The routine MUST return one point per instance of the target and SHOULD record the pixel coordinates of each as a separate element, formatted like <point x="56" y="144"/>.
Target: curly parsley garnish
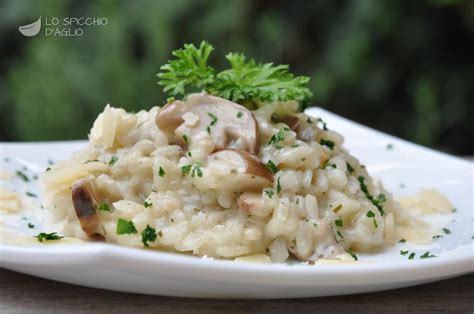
<point x="42" y="237"/>
<point x="246" y="82"/>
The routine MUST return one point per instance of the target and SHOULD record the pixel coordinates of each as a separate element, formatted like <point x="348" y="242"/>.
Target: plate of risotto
<point x="234" y="188"/>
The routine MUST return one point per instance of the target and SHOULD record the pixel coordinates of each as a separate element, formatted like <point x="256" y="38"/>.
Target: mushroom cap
<point x="85" y="204"/>
<point x="229" y="125"/>
<point x="249" y="173"/>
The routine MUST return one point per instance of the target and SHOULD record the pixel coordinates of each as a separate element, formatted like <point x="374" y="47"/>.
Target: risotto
<point x="208" y="176"/>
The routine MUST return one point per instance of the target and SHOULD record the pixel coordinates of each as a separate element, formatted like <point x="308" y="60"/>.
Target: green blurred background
<point x="404" y="67"/>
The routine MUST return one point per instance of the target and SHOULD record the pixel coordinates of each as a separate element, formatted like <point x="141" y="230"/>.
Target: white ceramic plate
<point x="404" y="169"/>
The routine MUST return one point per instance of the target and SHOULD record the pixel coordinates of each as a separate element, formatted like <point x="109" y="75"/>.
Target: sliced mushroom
<point x="252" y="204"/>
<point x="248" y="171"/>
<point x="293" y="122"/>
<point x="85" y="203"/>
<point x="229" y="125"/>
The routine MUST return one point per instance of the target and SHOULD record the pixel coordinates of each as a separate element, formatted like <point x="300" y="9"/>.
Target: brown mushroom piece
<point x="248" y="171"/>
<point x="85" y="203"/>
<point x="229" y="125"/>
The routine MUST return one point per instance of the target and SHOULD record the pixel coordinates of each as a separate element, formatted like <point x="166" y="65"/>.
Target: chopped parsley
<point x="402" y="241"/>
<point x="23" y="176"/>
<point x="53" y="236"/>
<point x="125" y="226"/>
<point x="208" y="129"/>
<point x="371" y="214"/>
<point x="196" y="170"/>
<point x="337" y="208"/>
<point x="240" y="114"/>
<point x="213" y="118"/>
<point x="324" y="124"/>
<point x="339" y="234"/>
<point x="412" y="255"/>
<point x="148" y="235"/>
<point x="427" y="255"/>
<point x="47" y="169"/>
<point x="454" y="210"/>
<point x="294" y="145"/>
<point x="403" y="252"/>
<point x="327" y="143"/>
<point x="278" y="137"/>
<point x="272" y="167"/>
<point x="185" y="138"/>
<point x="90" y="160"/>
<point x="186" y="169"/>
<point x="389" y="146"/>
<point x="437" y="236"/>
<point x="353" y="255"/>
<point x="147" y="204"/>
<point x="30" y="225"/>
<point x="113" y="160"/>
<point x="190" y="154"/>
<point x="31" y="194"/>
<point x="447" y="231"/>
<point x="269" y="193"/>
<point x="338" y="222"/>
<point x="161" y="172"/>
<point x="278" y="185"/>
<point x="104" y="207"/>
<point x="377" y="201"/>
<point x="350" y="169"/>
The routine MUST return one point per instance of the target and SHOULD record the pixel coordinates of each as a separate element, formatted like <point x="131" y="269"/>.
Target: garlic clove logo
<point x="32" y="29"/>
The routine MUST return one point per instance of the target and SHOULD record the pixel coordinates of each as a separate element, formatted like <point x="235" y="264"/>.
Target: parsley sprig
<point x="246" y="82"/>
